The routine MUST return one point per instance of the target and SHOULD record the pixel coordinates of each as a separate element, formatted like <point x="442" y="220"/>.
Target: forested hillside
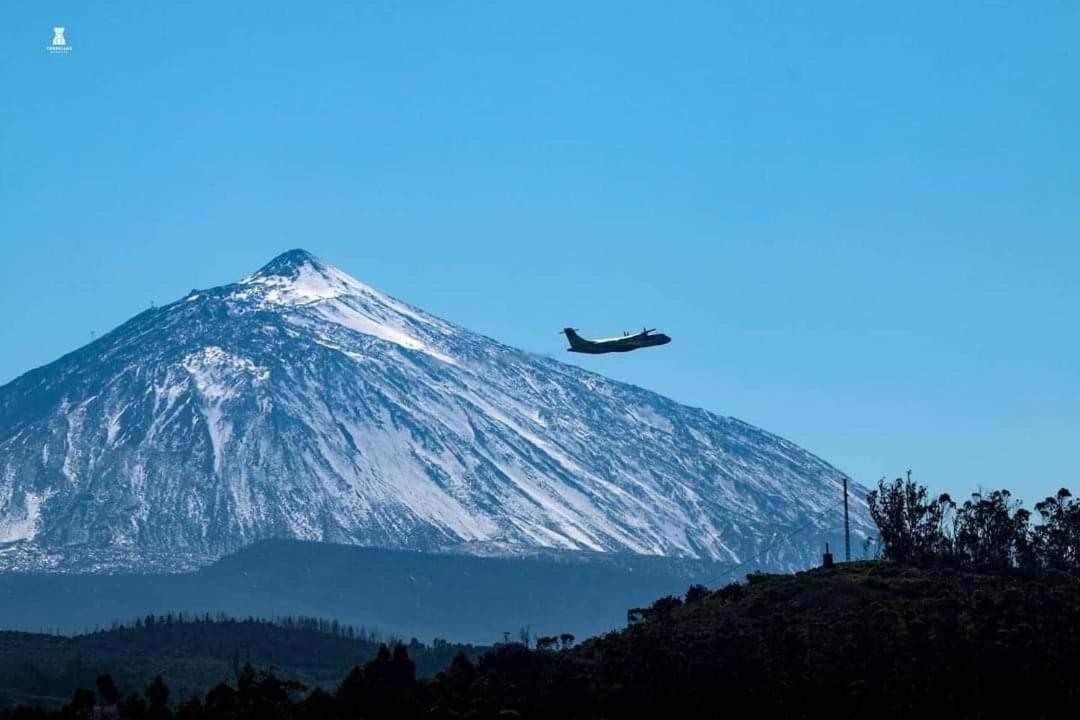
<point x="194" y="653"/>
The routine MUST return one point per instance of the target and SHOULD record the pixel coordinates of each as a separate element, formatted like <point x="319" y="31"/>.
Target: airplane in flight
<point x="626" y="343"/>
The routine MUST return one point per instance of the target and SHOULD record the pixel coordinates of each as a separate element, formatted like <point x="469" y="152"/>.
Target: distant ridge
<point x="394" y="592"/>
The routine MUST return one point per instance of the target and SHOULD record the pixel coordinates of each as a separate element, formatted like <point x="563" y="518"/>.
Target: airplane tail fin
<point x="576" y="340"/>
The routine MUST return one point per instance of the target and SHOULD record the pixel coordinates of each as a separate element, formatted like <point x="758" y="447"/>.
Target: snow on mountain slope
<point x="302" y="403"/>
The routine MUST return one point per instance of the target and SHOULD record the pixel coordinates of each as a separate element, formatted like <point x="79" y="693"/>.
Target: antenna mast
<point x="847" y="527"/>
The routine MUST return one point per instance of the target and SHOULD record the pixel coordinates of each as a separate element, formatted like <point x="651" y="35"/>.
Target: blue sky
<point x="858" y="221"/>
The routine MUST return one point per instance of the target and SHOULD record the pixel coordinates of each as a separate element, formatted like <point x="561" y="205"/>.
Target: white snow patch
<point x="344" y="301"/>
<point x="72" y="452"/>
<point x="112" y="429"/>
<point x="355" y="319"/>
<point x="220" y="376"/>
<point x="22" y="523"/>
<point x="317" y="281"/>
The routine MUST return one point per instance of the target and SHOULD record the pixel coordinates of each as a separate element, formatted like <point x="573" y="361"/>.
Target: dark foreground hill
<point x="408" y="594"/>
<point x="864" y="640"/>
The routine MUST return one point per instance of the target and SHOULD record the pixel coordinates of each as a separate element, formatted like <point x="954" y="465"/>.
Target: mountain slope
<point x="302" y="403"/>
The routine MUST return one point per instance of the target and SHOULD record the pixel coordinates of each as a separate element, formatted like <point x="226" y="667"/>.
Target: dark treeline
<point x="323" y="626"/>
<point x="973" y="613"/>
<point x="986" y="532"/>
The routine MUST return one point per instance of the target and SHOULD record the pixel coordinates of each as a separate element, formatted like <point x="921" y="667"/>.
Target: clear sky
<point x="860" y="222"/>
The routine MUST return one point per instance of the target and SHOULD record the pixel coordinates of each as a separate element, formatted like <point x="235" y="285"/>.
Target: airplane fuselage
<point x="626" y="343"/>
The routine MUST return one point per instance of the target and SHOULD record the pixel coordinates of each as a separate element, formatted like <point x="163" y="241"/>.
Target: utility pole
<point x="847" y="527"/>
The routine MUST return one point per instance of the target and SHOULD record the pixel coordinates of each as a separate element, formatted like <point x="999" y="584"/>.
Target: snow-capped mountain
<point x="302" y="403"/>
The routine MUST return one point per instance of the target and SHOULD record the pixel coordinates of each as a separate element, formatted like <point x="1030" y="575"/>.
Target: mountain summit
<point x="300" y="402"/>
<point x="288" y="263"/>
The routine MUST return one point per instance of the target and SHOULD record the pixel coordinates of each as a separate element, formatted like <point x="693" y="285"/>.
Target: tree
<point x="82" y="703"/>
<point x="663" y="607"/>
<point x="1057" y="539"/>
<point x="245" y="681"/>
<point x="222" y="701"/>
<point x="108" y="692"/>
<point x="461" y="672"/>
<point x="991" y="532"/>
<point x="318" y="705"/>
<point x="545" y="643"/>
<point x="133" y="708"/>
<point x="352" y="691"/>
<point x="695" y="593"/>
<point x="525" y="635"/>
<point x="388" y="684"/>
<point x="190" y="710"/>
<point x="402" y="668"/>
<point x="913" y="528"/>
<point x="157" y="697"/>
